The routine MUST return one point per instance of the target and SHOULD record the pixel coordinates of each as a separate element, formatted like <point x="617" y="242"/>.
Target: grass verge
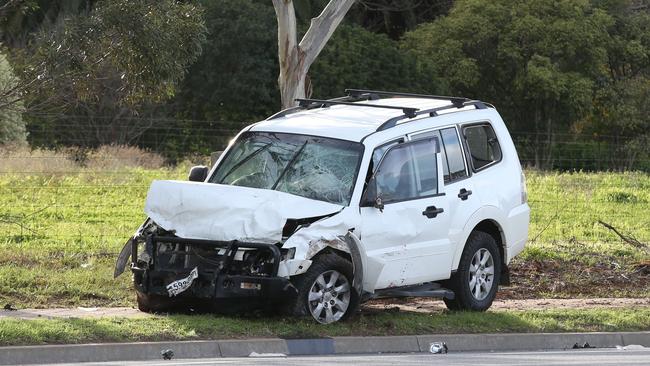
<point x="61" y="230"/>
<point x="196" y="327"/>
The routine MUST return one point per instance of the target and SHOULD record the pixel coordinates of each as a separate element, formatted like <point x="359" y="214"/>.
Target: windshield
<point x="319" y="168"/>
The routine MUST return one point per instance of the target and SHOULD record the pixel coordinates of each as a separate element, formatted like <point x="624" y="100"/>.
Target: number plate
<point x="183" y="284"/>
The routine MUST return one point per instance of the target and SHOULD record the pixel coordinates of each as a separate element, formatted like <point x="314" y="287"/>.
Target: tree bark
<point x="296" y="58"/>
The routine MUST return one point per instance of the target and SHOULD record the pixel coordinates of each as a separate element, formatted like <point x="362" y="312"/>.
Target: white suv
<point x="335" y="202"/>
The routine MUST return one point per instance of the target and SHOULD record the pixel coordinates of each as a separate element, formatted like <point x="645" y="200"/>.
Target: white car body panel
<point x="222" y="212"/>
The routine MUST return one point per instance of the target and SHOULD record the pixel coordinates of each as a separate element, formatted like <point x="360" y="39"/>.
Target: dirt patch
<point x="564" y="279"/>
<point x="427" y="305"/>
<point x="553" y="284"/>
<point x="412" y="304"/>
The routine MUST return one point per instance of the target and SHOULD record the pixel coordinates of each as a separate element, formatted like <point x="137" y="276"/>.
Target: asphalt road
<point x="600" y="357"/>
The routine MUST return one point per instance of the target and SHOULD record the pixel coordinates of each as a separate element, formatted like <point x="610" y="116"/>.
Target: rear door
<point x="461" y="193"/>
<point x="406" y="233"/>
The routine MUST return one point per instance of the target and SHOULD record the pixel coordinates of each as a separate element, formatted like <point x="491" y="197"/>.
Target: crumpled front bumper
<point x="215" y="279"/>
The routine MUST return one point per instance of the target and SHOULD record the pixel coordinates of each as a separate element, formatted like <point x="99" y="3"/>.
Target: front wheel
<point x="150" y="303"/>
<point x="325" y="291"/>
<point x="476" y="282"/>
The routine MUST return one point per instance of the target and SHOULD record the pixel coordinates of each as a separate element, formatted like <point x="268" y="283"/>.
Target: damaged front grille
<point x="206" y="268"/>
<point x="170" y="253"/>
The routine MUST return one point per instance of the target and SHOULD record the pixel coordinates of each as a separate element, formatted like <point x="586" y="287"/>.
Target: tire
<point x="473" y="284"/>
<point x="154" y="303"/>
<point x="337" y="302"/>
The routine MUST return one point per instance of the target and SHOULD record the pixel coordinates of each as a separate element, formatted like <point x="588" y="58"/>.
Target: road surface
<point x="600" y="357"/>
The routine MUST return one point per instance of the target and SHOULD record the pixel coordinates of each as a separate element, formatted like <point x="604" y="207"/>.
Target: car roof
<point x="348" y="122"/>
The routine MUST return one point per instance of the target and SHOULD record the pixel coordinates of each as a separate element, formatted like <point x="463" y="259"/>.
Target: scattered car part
<point x="438" y="347"/>
<point x="167" y="354"/>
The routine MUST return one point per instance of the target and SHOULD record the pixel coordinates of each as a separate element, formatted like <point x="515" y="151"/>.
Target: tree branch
<point x="321" y="29"/>
<point x="626" y="238"/>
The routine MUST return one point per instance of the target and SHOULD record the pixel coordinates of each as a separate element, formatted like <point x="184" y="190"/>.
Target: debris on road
<point x="438" y="347"/>
<point x="255" y="354"/>
<point x="167" y="354"/>
<point x="10" y="307"/>
<point x="585" y="345"/>
<point x="630" y="347"/>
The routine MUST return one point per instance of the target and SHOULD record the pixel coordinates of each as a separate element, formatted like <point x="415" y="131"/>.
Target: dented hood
<point x="223" y="212"/>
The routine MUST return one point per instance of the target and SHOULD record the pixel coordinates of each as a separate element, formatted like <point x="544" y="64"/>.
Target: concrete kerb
<point x="323" y="346"/>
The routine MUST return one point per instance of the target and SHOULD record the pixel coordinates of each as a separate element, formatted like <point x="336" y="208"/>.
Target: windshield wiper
<point x="293" y="159"/>
<point x="243" y="161"/>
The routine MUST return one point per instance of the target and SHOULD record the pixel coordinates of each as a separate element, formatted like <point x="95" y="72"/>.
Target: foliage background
<point x="571" y="77"/>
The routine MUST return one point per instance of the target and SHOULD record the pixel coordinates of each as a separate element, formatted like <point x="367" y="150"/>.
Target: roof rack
<point x="300" y="107"/>
<point x="375" y="94"/>
<point x="431" y="112"/>
<point x="355" y="95"/>
<point x="322" y="103"/>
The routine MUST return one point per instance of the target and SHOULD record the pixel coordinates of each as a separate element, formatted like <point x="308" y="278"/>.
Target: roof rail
<point x="374" y="94"/>
<point x="431" y="112"/>
<point x="300" y="107"/>
<point x="321" y="103"/>
<point x="355" y="95"/>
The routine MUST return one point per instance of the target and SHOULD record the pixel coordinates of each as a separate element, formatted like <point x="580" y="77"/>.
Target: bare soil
<point x="414" y="305"/>
<point x="539" y="279"/>
<point x="427" y="305"/>
<point x="553" y="284"/>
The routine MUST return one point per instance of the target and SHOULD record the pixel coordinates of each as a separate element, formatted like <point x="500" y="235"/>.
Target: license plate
<point x="183" y="284"/>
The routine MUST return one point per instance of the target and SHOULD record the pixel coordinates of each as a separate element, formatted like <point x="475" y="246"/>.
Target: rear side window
<point x="453" y="161"/>
<point x="483" y="145"/>
<point x="453" y="154"/>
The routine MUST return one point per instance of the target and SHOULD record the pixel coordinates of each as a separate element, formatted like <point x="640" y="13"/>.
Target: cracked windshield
<point x="313" y="167"/>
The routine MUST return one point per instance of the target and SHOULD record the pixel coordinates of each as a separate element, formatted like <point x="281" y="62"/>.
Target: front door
<point x="405" y="217"/>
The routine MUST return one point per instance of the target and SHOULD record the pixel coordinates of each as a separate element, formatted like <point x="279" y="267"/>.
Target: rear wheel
<point x="325" y="291"/>
<point x="476" y="282"/>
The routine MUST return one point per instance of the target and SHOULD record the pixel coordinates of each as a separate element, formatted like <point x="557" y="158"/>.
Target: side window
<point x="483" y="145"/>
<point x="454" y="155"/>
<point x="453" y="161"/>
<point x="407" y="171"/>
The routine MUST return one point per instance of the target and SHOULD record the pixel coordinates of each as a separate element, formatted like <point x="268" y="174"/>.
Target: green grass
<point x="566" y="208"/>
<point x="185" y="327"/>
<point x="59" y="233"/>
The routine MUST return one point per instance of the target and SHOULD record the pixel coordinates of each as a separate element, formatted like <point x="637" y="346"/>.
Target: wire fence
<point x="178" y="138"/>
<point x="89" y="206"/>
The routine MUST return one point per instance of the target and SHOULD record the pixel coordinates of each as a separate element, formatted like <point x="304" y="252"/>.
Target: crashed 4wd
<point x="323" y="207"/>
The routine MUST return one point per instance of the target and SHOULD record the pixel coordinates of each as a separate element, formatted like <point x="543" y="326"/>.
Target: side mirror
<point x="379" y="204"/>
<point x="370" y="200"/>
<point x="198" y="173"/>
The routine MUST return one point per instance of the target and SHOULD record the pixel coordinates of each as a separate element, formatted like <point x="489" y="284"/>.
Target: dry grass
<point x="114" y="157"/>
<point x="23" y="159"/>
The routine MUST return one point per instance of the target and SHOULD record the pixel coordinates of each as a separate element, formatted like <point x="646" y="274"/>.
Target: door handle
<point x="431" y="212"/>
<point x="464" y="194"/>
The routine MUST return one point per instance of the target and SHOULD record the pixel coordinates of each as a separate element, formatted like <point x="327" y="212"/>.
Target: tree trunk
<point x="296" y="58"/>
<point x="292" y="79"/>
